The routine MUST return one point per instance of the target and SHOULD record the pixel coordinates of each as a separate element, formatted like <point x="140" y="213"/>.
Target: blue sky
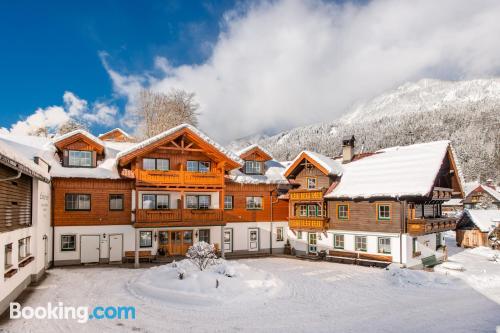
<point x="52" y="47"/>
<point x="255" y="66"/>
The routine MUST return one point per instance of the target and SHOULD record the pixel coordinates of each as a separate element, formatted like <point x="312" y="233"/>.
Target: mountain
<point x="465" y="112"/>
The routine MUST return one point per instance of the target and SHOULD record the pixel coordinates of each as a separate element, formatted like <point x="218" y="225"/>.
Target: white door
<point x="253" y="239"/>
<point x="228" y="240"/>
<point x="115" y="247"/>
<point x="312" y="243"/>
<point x="89" y="249"/>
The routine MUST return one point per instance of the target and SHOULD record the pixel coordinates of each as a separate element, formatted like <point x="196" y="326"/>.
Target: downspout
<point x="402" y="223"/>
<point x="19" y="174"/>
<point x="272" y="219"/>
<point x="52" y="202"/>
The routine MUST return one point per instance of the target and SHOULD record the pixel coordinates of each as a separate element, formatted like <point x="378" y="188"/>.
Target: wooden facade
<point x="100" y="191"/>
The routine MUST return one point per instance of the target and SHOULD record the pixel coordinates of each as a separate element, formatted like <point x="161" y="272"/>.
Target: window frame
<point x="63" y="249"/>
<point x="198" y="163"/>
<point x="315" y="183"/>
<point x="252" y="198"/>
<point x="335" y="246"/>
<point x="299" y="234"/>
<point x="197" y="196"/>
<point x="253" y="168"/>
<point x="199" y="235"/>
<point x="280" y="234"/>
<point x="8" y="255"/>
<point x="116" y="195"/>
<point x="347" y="211"/>
<point x="91" y="165"/>
<point x="155" y="203"/>
<point x="378" y="245"/>
<point x="27" y="248"/>
<point x="155" y="160"/>
<point x="384" y="219"/>
<point x="77" y="201"/>
<point x="150" y="232"/>
<point x="232" y="202"/>
<point x="358" y="249"/>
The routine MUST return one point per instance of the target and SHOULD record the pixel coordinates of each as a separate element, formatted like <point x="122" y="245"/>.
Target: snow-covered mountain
<point x="465" y="112"/>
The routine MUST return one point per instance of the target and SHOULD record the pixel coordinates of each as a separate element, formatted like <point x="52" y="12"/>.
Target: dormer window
<point x="253" y="167"/>
<point x="80" y="158"/>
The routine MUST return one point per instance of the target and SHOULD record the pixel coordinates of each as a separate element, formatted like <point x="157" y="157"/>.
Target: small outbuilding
<point x="478" y="227"/>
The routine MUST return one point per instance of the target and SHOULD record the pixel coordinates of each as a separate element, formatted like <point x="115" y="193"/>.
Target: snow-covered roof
<point x="75" y="132"/>
<point x="249" y="148"/>
<point x="232" y="156"/>
<point x="393" y="172"/>
<point x="273" y="175"/>
<point x="453" y="202"/>
<point x="485" y="219"/>
<point x="119" y="130"/>
<point x="491" y="192"/>
<point x="332" y="166"/>
<point x="14" y="158"/>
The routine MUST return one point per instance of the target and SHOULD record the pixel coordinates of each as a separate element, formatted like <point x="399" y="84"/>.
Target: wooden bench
<point x="143" y="255"/>
<point x="342" y="257"/>
<point x="430" y="261"/>
<point x="362" y="259"/>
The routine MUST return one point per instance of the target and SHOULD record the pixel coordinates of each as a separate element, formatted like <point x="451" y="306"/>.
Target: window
<point x="116" y="202"/>
<point x="279" y="234"/>
<point x="198" y="201"/>
<point x="254" y="202"/>
<point x="188" y="237"/>
<point x="68" y="242"/>
<point x="384" y="212"/>
<point x="77" y="201"/>
<point x="338" y="241"/>
<point x="146" y="239"/>
<point x="253" y="167"/>
<point x="198" y="166"/>
<point x="8" y="255"/>
<point x="299" y="235"/>
<point x="360" y="243"/>
<point x="384" y="245"/>
<point x="80" y="158"/>
<point x="414" y="247"/>
<point x="23" y="248"/>
<point x="343" y="212"/>
<point x="155" y="201"/>
<point x="228" y="202"/>
<point x="204" y="235"/>
<point x="313" y="210"/>
<point x="156" y="164"/>
<point x="303" y="210"/>
<point x="311" y="183"/>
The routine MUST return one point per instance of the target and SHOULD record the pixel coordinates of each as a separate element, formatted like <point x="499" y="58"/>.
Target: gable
<point x="184" y="139"/>
<point x="301" y="162"/>
<point x="254" y="153"/>
<point x="117" y="135"/>
<point x="79" y="141"/>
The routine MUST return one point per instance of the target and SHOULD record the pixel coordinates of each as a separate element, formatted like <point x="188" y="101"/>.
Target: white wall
<point x="325" y="242"/>
<point x="126" y="230"/>
<point x="41" y="224"/>
<point x="426" y="245"/>
<point x="240" y="234"/>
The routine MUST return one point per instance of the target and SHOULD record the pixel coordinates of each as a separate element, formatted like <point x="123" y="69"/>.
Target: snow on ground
<point x="302" y="296"/>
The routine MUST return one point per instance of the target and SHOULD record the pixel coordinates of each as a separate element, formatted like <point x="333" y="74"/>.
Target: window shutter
<point x="94" y="158"/>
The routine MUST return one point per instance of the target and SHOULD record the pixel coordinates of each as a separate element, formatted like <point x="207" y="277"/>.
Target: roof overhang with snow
<point x="210" y="147"/>
<point x="67" y="139"/>
<point x="116" y="133"/>
<point x="255" y="151"/>
<point x="325" y="164"/>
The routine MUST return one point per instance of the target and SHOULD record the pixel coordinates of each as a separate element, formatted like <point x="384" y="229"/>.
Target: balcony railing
<point x="424" y="226"/>
<point x="178" y="215"/>
<point x="306" y="195"/>
<point x="308" y="223"/>
<point x="179" y="178"/>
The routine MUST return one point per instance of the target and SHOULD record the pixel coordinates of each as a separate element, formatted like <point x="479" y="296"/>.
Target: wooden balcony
<point x="423" y="226"/>
<point x="308" y="223"/>
<point x="306" y="195"/>
<point x="179" y="178"/>
<point x="178" y="217"/>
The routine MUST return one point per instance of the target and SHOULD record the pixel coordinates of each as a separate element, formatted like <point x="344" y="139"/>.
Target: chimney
<point x="490" y="184"/>
<point x="348" y="148"/>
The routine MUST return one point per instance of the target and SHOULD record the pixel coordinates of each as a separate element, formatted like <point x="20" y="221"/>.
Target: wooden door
<point x="163" y="238"/>
<point x="187" y="240"/>
<point x="89" y="249"/>
<point x="312" y="243"/>
<point x="175" y="243"/>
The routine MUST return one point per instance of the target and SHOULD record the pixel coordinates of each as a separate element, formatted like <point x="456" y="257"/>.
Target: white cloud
<point x="281" y="64"/>
<point x="74" y="108"/>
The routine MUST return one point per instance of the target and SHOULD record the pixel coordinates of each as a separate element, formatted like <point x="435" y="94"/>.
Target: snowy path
<point x="315" y="297"/>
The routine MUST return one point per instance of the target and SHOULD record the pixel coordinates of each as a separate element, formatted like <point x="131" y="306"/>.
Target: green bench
<point x="430" y="261"/>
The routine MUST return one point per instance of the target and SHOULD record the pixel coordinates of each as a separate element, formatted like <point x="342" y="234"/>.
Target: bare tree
<point x="158" y="112"/>
<point x="202" y="254"/>
<point x="70" y="126"/>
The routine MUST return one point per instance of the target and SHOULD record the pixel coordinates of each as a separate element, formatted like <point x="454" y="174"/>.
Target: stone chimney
<point x="348" y="148"/>
<point x="490" y="184"/>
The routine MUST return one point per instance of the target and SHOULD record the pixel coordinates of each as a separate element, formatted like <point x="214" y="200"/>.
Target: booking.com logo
<point x="81" y="314"/>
